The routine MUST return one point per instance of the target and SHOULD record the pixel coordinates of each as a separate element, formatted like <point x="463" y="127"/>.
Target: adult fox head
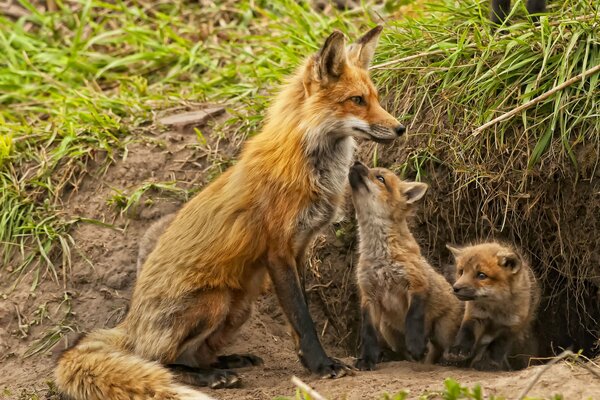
<point x="339" y="97"/>
<point x="381" y="197"/>
<point x="485" y="271"/>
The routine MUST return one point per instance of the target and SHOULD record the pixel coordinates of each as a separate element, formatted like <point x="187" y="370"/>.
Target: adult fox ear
<point x="414" y="191"/>
<point x="361" y="52"/>
<point x="331" y="59"/>
<point x="454" y="250"/>
<point x="510" y="260"/>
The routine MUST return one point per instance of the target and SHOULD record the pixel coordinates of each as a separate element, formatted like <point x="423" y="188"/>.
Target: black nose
<point x="400" y="129"/>
<point x="456" y="289"/>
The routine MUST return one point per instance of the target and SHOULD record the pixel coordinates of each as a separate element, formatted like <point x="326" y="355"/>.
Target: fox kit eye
<point x="460" y="272"/>
<point x="380" y="178"/>
<point x="358" y="100"/>
<point x="481" y="276"/>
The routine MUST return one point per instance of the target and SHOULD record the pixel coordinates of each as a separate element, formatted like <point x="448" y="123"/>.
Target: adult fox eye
<point x="358" y="100"/>
<point x="481" y="276"/>
<point x="380" y="178"/>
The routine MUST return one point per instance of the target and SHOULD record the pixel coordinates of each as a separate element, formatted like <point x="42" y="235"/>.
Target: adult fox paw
<point x="237" y="361"/>
<point x="333" y="368"/>
<point x="221" y="379"/>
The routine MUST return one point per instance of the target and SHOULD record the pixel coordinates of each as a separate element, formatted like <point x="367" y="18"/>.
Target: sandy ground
<point x="100" y="282"/>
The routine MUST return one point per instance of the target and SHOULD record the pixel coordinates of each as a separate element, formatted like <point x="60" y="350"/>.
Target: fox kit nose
<point x="456" y="289"/>
<point x="400" y="129"/>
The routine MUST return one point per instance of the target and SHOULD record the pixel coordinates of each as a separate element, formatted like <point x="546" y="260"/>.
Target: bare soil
<point x="98" y="286"/>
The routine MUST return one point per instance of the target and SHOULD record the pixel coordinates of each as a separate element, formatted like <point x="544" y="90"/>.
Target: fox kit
<point x="403" y="299"/>
<point x="502" y="296"/>
<point x="501" y="8"/>
<point x="197" y="286"/>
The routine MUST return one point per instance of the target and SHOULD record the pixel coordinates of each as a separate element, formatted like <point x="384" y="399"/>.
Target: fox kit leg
<point x="283" y="273"/>
<point x="369" y="355"/>
<point x="495" y="356"/>
<point x="499" y="11"/>
<point x="442" y="337"/>
<point x="464" y="345"/>
<point x="414" y="326"/>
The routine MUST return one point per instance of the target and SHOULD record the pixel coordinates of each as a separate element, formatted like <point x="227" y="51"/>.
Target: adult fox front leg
<point x="197" y="286"/>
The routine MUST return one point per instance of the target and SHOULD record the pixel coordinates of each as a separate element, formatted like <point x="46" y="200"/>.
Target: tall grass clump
<point x="531" y="177"/>
<point x="80" y="82"/>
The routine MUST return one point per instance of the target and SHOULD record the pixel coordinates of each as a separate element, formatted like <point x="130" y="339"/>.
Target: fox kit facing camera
<point x="197" y="286"/>
<point x="403" y="299"/>
<point x="502" y="296"/>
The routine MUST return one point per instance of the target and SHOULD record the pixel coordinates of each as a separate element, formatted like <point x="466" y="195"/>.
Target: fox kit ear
<point x="454" y="250"/>
<point x="510" y="260"/>
<point x="361" y="52"/>
<point x="331" y="59"/>
<point x="414" y="191"/>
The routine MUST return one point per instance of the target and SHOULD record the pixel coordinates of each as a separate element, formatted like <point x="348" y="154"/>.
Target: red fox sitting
<point x="197" y="286"/>
<point x="502" y="296"/>
<point x="403" y="299"/>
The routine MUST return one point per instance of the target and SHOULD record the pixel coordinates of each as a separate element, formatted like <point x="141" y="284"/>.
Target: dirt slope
<point x="98" y="287"/>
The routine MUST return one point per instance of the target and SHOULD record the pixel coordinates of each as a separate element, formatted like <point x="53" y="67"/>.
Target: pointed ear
<point x="510" y="260"/>
<point x="414" y="191"/>
<point x="361" y="52"/>
<point x="331" y="59"/>
<point x="454" y="250"/>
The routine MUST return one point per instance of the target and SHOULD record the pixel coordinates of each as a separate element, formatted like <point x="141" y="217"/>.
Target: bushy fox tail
<point x="98" y="368"/>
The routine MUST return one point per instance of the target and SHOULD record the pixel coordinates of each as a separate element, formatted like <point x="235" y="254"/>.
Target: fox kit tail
<point x="98" y="368"/>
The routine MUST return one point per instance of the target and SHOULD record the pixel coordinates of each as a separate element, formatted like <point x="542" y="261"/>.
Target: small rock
<point x="117" y="281"/>
<point x="191" y="118"/>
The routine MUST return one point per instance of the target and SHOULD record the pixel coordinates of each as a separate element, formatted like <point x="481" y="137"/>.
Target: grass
<point x="79" y="83"/>
<point x="460" y="78"/>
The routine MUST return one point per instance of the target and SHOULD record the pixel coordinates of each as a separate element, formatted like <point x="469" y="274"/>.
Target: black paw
<point x="213" y="378"/>
<point x="485" y="364"/>
<point x="222" y="379"/>
<point x="416" y="347"/>
<point x="365" y="364"/>
<point x="328" y="367"/>
<point x="457" y="354"/>
<point x="237" y="361"/>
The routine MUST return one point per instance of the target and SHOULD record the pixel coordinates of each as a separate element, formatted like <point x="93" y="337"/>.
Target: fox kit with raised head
<point x="502" y="296"/>
<point x="501" y="8"/>
<point x="403" y="299"/>
<point x="197" y="286"/>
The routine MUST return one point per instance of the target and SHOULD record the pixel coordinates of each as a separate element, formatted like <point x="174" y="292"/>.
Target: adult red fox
<point x="197" y="286"/>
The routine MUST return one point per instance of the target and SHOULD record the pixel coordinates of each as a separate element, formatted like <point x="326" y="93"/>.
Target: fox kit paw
<point x="237" y="361"/>
<point x="365" y="364"/>
<point x="457" y="354"/>
<point x="416" y="348"/>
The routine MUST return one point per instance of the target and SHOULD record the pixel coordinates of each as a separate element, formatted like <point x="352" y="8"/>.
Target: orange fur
<point x="197" y="286"/>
